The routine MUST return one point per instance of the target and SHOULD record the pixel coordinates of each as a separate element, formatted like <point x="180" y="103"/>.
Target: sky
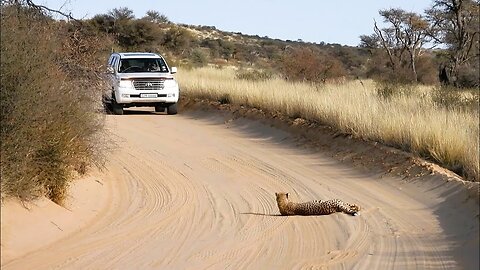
<point x="338" y="21"/>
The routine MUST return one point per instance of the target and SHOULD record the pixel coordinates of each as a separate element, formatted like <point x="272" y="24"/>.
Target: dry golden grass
<point x="410" y="121"/>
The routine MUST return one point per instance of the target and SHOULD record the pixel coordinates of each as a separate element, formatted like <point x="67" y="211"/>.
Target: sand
<point x="194" y="191"/>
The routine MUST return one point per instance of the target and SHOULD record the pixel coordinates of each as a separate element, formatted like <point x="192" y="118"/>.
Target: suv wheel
<point x="107" y="107"/>
<point x="117" y="108"/>
<point x="172" y="109"/>
<point x="159" y="108"/>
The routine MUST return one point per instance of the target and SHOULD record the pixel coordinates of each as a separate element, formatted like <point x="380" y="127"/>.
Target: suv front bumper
<point x="129" y="95"/>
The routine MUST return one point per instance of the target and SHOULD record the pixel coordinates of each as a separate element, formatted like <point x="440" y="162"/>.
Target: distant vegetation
<point x="51" y="81"/>
<point x="438" y="47"/>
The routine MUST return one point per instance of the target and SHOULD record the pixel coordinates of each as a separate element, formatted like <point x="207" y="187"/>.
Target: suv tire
<point x="172" y="109"/>
<point x="107" y="108"/>
<point x="117" y="108"/>
<point x="159" y="108"/>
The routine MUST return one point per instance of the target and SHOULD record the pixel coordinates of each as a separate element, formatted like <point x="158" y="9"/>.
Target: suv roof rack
<point x="138" y="54"/>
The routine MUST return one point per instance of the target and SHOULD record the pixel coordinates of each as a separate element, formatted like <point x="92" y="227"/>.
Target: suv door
<point x="111" y="74"/>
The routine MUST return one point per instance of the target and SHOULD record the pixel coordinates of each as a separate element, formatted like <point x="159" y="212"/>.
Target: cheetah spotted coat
<point x="314" y="207"/>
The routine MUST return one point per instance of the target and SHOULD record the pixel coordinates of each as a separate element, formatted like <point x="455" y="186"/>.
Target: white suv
<point x="141" y="80"/>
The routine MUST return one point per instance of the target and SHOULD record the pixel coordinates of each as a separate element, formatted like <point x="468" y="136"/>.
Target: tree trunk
<point x="414" y="68"/>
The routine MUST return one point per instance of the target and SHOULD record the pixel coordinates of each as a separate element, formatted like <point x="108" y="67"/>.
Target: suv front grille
<point x="148" y="84"/>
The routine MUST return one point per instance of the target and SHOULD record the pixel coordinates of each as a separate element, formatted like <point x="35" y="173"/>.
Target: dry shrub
<point x="469" y="75"/>
<point x="199" y="57"/>
<point x="427" y="70"/>
<point x="49" y="103"/>
<point x="379" y="68"/>
<point x="388" y="90"/>
<point x="452" y="98"/>
<point x="307" y="64"/>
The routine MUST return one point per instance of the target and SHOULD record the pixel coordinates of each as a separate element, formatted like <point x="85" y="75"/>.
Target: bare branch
<point x="384" y="44"/>
<point x="69" y="16"/>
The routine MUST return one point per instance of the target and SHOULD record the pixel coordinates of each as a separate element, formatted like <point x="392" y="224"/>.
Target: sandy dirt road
<point x="192" y="191"/>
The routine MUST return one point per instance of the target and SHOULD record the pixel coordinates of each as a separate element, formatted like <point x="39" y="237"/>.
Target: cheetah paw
<point x="356" y="214"/>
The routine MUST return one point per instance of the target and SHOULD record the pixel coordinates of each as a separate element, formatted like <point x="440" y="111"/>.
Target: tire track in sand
<point x="187" y="192"/>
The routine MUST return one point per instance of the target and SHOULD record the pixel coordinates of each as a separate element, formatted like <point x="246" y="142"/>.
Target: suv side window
<point x="112" y="60"/>
<point x="115" y="62"/>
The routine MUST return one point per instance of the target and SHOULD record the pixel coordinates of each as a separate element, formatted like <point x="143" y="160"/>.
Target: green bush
<point x="198" y="58"/>
<point x="177" y="40"/>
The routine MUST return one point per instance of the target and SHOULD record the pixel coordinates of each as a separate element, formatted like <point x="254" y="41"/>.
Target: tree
<point x="103" y="22"/>
<point x="156" y="17"/>
<point x="404" y="39"/>
<point x="121" y="14"/>
<point x="456" y="24"/>
<point x="133" y="34"/>
<point x="130" y="33"/>
<point x="369" y="41"/>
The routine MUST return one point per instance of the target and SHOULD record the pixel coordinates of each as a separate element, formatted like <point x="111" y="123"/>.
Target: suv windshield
<point x="133" y="65"/>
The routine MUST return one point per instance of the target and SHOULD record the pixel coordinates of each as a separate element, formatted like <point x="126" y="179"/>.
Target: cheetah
<point x="288" y="208"/>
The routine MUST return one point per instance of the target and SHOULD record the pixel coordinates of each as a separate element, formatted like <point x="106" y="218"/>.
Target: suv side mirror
<point x="173" y="70"/>
<point x="110" y="70"/>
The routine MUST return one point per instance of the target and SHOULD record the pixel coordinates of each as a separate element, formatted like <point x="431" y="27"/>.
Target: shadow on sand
<point x="261" y="214"/>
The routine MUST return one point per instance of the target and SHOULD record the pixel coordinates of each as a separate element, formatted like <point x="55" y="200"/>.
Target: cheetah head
<point x="355" y="207"/>
<point x="281" y="196"/>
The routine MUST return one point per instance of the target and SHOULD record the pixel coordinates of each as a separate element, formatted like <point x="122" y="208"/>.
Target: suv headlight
<point x="170" y="83"/>
<point x="125" y="83"/>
